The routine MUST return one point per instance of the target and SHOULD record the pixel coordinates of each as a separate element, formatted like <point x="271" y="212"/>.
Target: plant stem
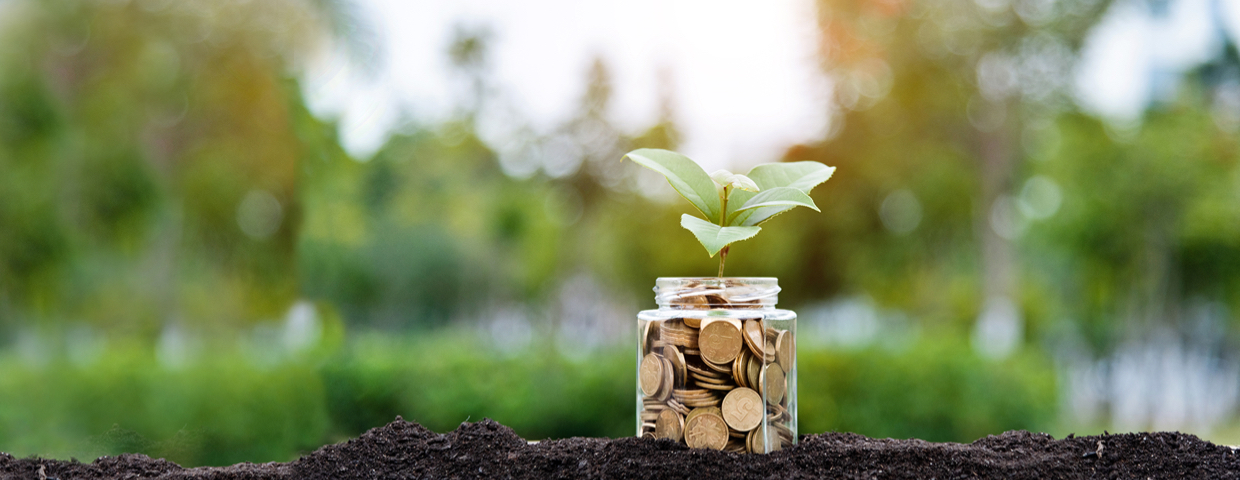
<point x="723" y="218"/>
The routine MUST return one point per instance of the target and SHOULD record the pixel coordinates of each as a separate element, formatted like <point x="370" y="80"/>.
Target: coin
<point x="753" y="336"/>
<point x="699" y="367"/>
<point x="669" y="380"/>
<point x="698" y="411"/>
<point x="784" y="349"/>
<point x="673" y="355"/>
<point x="675" y="332"/>
<point x="753" y="370"/>
<point x="742" y="409"/>
<point x="650" y="374"/>
<point x="715" y="386"/>
<point x="677" y="406"/>
<point x="720" y="341"/>
<point x="725" y="368"/>
<point x="773" y="385"/>
<point x="695" y="322"/>
<point x="757" y="442"/>
<point x="669" y="425"/>
<point x="650" y="333"/>
<point x="700" y="379"/>
<point x="738" y="368"/>
<point x="706" y="430"/>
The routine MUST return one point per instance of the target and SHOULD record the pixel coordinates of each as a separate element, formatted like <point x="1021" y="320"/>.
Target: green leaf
<point x="689" y="180"/>
<point x="714" y="237"/>
<point x="778" y="198"/>
<point x="725" y="178"/>
<point x="803" y="176"/>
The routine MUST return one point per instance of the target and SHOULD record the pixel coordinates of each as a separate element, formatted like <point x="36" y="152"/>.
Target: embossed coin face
<point x="784" y="347"/>
<point x="706" y="430"/>
<point x="720" y="341"/>
<point x="669" y="425"/>
<point x="650" y="374"/>
<point x="773" y="384"/>
<point x="742" y="409"/>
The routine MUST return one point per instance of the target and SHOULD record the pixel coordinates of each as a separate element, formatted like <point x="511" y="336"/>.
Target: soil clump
<point x="487" y="449"/>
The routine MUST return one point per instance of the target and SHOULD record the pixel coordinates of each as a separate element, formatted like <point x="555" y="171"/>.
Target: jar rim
<point x="716" y="292"/>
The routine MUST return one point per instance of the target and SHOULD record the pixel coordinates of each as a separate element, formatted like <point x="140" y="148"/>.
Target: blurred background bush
<point x="208" y="254"/>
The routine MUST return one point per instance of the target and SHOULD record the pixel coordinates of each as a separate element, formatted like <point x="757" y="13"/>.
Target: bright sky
<point x="744" y="73"/>
<point x="1132" y="58"/>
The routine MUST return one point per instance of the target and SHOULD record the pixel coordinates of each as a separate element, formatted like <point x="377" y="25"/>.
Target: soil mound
<point x="486" y="449"/>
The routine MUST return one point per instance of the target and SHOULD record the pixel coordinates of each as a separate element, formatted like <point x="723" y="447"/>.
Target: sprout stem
<point x="723" y="220"/>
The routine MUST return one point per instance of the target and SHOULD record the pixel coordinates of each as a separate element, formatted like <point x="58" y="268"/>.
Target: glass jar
<point x="716" y="365"/>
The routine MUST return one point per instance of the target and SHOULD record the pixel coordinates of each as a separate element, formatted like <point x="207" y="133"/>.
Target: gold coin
<point x="738" y="368"/>
<point x="650" y="374"/>
<point x="673" y="355"/>
<point x="675" y="332"/>
<point x="695" y="322"/>
<point x="707" y="402"/>
<point x="700" y="368"/>
<point x="753" y="370"/>
<point x="677" y="406"/>
<point x="773" y="385"/>
<point x="706" y="430"/>
<point x="753" y="336"/>
<point x="742" y="409"/>
<point x="698" y="411"/>
<point x="669" y="380"/>
<point x="650" y="335"/>
<point x="700" y="379"/>
<point x="714" y="386"/>
<point x="760" y="443"/>
<point x="692" y="351"/>
<point x="725" y="368"/>
<point x="649" y="435"/>
<point x="720" y="341"/>
<point x="669" y="425"/>
<point x="784" y="349"/>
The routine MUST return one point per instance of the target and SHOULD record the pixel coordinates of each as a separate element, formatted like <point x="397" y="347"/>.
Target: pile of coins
<point x="716" y="382"/>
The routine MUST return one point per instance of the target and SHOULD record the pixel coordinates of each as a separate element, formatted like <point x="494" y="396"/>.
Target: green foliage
<point x="234" y="406"/>
<point x="689" y="180"/>
<point x="738" y="203"/>
<point x="935" y="390"/>
<point x="714" y="237"/>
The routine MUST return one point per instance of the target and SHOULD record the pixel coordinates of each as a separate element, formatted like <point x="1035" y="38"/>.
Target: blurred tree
<point x="930" y="99"/>
<point x="149" y="160"/>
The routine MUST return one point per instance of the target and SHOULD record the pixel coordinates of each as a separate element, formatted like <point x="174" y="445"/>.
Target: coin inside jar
<point x="706" y="430"/>
<point x="669" y="425"/>
<point x="773" y="383"/>
<point x="743" y="409"/>
<point x="754" y="338"/>
<point x="650" y="374"/>
<point x="673" y="355"/>
<point x="784" y="348"/>
<point x="720" y="341"/>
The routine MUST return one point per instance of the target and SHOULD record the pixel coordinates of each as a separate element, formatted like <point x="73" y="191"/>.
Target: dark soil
<point x="489" y="450"/>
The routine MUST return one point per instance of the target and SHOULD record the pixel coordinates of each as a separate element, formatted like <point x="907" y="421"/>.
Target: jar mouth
<point x="705" y="293"/>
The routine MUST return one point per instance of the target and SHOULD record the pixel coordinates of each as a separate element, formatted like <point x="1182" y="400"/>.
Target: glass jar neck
<point x="706" y="293"/>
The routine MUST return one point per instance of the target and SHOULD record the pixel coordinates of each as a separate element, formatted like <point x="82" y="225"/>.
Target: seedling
<point x="734" y="205"/>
